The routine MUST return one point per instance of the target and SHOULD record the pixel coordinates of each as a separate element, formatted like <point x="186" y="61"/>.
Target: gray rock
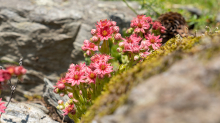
<point x="48" y="34"/>
<point x="51" y="98"/>
<point x="192" y="9"/>
<point x="218" y="17"/>
<point x="183" y="94"/>
<point x="24" y="113"/>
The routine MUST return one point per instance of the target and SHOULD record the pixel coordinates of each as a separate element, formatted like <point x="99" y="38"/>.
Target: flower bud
<point x="60" y="102"/>
<point x="70" y="102"/>
<point x="136" y="57"/>
<point x="23" y="71"/>
<point x="121" y="44"/>
<point x="116" y="29"/>
<point x="56" y="90"/>
<point x="19" y="70"/>
<point x="61" y="94"/>
<point x="88" y="53"/>
<point x="60" y="107"/>
<point x="95" y="38"/>
<point x="61" y="86"/>
<point x="129" y="30"/>
<point x="70" y="95"/>
<point x="119" y="49"/>
<point x="93" y="31"/>
<point x="113" y="23"/>
<point x="117" y="36"/>
<point x="86" y="42"/>
<point x="75" y="100"/>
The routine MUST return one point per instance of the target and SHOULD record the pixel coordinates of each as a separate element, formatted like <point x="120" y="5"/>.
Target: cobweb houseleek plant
<point x="84" y="82"/>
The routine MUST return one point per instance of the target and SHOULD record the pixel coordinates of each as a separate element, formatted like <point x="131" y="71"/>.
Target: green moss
<point x="9" y="62"/>
<point x="116" y="91"/>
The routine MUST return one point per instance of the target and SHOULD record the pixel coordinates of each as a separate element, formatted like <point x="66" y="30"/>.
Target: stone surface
<point x="48" y="34"/>
<point x="188" y="92"/>
<point x="218" y="17"/>
<point x="25" y="113"/>
<point x="52" y="99"/>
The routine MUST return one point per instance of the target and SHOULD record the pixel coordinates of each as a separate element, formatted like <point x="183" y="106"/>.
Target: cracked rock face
<point x="25" y="113"/>
<point x="183" y="94"/>
<point x="48" y="34"/>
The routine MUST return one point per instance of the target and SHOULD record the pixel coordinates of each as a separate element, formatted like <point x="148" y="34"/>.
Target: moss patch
<point x="116" y="91"/>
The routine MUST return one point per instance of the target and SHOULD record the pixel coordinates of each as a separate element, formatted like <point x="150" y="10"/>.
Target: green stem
<point x="130" y="7"/>
<point x="131" y="60"/>
<point x="94" y="91"/>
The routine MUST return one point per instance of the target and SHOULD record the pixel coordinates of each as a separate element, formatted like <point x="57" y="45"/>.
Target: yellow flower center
<point x="129" y="41"/>
<point x="92" y="75"/>
<point x="64" y="81"/>
<point x="104" y="33"/>
<point x="152" y="40"/>
<point x="102" y="67"/>
<point x="139" y="25"/>
<point x="92" y="45"/>
<point x="76" y="77"/>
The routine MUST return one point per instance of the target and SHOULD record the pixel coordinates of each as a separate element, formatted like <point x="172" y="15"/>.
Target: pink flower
<point x="1" y="77"/>
<point x="4" y="75"/>
<point x="75" y="77"/>
<point x="92" y="67"/>
<point x="89" y="46"/>
<point x="91" y="76"/>
<point x="134" y="38"/>
<point x="144" y="45"/>
<point x="115" y="29"/>
<point x="113" y="23"/>
<point x="19" y="70"/>
<point x="70" y="95"/>
<point x="153" y="41"/>
<point x="60" y="84"/>
<point x="117" y="36"/>
<point x="141" y="26"/>
<point x="2" y="106"/>
<point x="103" y="69"/>
<point x="93" y="31"/>
<point x="133" y="48"/>
<point x="144" y="54"/>
<point x="146" y="19"/>
<point x="69" y="109"/>
<point x="104" y="23"/>
<point x="95" y="38"/>
<point x="104" y="33"/>
<point x="100" y="58"/>
<point x="158" y="26"/>
<point x="77" y="67"/>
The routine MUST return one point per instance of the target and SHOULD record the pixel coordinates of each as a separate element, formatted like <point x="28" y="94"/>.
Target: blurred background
<point x="48" y="34"/>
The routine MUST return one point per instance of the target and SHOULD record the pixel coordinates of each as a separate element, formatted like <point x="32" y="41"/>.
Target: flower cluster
<point x="2" y="107"/>
<point x="10" y="71"/>
<point x="83" y="83"/>
<point x="80" y="74"/>
<point x="5" y="75"/>
<point x="143" y="40"/>
<point x="105" y="30"/>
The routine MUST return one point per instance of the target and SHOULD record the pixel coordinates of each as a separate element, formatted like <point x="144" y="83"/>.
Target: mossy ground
<point x="116" y="91"/>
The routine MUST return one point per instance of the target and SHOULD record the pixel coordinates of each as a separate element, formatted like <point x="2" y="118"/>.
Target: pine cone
<point x="174" y="24"/>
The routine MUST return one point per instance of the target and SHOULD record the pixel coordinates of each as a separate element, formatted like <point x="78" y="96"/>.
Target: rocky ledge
<point x="177" y="83"/>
